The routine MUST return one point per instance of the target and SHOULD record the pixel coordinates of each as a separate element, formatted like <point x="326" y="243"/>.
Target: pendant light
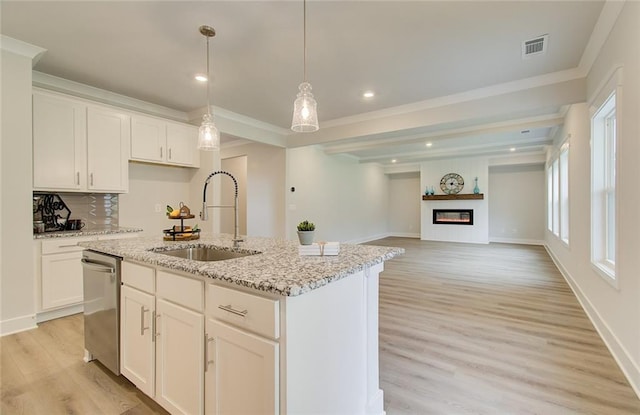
<point x="305" y="114"/>
<point x="208" y="135"/>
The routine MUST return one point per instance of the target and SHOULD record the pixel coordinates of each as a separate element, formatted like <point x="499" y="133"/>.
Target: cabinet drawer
<point x="138" y="276"/>
<point x="62" y="245"/>
<point x="251" y="312"/>
<point x="181" y="290"/>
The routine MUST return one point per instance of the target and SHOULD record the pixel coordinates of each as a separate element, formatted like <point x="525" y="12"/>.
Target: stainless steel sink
<point x="205" y="253"/>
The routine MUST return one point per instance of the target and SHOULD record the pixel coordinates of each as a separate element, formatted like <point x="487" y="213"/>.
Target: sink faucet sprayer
<point x="205" y="216"/>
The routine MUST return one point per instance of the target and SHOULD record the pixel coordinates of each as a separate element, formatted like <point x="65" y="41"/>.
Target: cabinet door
<point x="59" y="140"/>
<point x="61" y="280"/>
<point x="179" y="359"/>
<point x="137" y="344"/>
<point x="182" y="143"/>
<point x="148" y="139"/>
<point x="108" y="133"/>
<point x="241" y="372"/>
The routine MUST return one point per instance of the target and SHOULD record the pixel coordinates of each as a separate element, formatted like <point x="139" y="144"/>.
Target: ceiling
<point x="449" y="73"/>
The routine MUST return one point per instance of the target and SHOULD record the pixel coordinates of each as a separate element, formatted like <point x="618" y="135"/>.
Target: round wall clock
<point x="451" y="183"/>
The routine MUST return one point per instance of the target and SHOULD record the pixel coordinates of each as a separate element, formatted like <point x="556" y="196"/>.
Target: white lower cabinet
<point x="179" y="358"/>
<point x="242" y="372"/>
<point x="137" y="340"/>
<point x="162" y="337"/>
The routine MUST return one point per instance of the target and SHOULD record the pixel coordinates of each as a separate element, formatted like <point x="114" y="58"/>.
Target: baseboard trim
<point x="516" y="241"/>
<point x="404" y="235"/>
<point x="367" y="239"/>
<point x="18" y="324"/>
<point x="60" y="312"/>
<point x="620" y="354"/>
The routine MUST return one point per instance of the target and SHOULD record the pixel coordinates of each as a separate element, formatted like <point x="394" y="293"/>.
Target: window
<point x="603" y="187"/>
<point x="558" y="194"/>
<point x="550" y="198"/>
<point x="564" y="193"/>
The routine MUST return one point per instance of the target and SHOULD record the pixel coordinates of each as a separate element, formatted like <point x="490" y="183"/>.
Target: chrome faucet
<point x="205" y="216"/>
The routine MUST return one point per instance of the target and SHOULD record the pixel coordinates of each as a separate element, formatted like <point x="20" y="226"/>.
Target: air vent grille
<point x="536" y="46"/>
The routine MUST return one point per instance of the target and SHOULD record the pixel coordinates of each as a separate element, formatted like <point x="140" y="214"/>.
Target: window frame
<point x="604" y="107"/>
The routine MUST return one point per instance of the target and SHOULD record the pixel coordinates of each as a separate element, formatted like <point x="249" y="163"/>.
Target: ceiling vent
<point x="537" y="46"/>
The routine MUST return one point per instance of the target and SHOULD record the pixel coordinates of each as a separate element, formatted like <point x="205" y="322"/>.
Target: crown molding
<point x="606" y="21"/>
<point x="21" y="48"/>
<point x="54" y="83"/>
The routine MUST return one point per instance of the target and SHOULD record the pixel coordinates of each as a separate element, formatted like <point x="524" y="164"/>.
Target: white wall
<point x="345" y="199"/>
<point x="614" y="311"/>
<point x="404" y="204"/>
<point x="469" y="168"/>
<point x="17" y="273"/>
<point x="265" y="187"/>
<point x="151" y="185"/>
<point x="237" y="166"/>
<point x="517" y="204"/>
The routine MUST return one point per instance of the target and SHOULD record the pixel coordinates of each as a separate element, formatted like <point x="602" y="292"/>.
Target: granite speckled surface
<point x="85" y="232"/>
<point x="277" y="268"/>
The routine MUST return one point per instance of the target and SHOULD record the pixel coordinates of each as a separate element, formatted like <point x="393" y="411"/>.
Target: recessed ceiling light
<point x="201" y="78"/>
<point x="393" y="160"/>
<point x="429" y="144"/>
<point x="512" y="149"/>
<point x="368" y="94"/>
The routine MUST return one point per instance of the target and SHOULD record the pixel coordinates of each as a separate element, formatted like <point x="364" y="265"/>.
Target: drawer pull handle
<point x="232" y="310"/>
<point x="142" y="327"/>
<point x="68" y="246"/>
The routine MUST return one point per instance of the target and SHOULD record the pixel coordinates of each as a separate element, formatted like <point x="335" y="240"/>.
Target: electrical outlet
<point x="158" y="208"/>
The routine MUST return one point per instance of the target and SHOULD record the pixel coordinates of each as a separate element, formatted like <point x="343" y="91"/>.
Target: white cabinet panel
<point x="61" y="280"/>
<point x="137" y="343"/>
<point x="182" y="143"/>
<point x="179" y="359"/>
<point x="78" y="147"/>
<point x="59" y="143"/>
<point x="242" y="374"/>
<point x="148" y="138"/>
<point x="155" y="140"/>
<point x="108" y="133"/>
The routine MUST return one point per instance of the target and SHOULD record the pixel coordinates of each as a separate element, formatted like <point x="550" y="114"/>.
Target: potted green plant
<point x="306" y="232"/>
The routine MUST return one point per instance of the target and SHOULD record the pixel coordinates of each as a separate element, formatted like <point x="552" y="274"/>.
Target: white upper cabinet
<point x="78" y="146"/>
<point x="155" y="140"/>
<point x="59" y="143"/>
<point x="108" y="136"/>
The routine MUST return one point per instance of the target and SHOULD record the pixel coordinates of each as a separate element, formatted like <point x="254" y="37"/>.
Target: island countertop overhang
<point x="278" y="268"/>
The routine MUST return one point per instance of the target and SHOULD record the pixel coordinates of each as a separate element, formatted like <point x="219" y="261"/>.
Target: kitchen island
<point x="270" y="332"/>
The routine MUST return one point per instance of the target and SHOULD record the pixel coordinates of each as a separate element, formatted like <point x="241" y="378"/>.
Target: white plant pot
<point x="306" y="237"/>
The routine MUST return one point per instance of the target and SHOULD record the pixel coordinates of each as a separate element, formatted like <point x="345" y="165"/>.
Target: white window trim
<point x="613" y="85"/>
<point x="554" y="225"/>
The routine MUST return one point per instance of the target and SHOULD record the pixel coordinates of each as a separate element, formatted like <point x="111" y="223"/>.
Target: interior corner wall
<point x="615" y="312"/>
<point x="517" y="204"/>
<point x="469" y="168"/>
<point x="17" y="273"/>
<point x="404" y="205"/>
<point x="151" y="185"/>
<point x="265" y="187"/>
<point x="347" y="200"/>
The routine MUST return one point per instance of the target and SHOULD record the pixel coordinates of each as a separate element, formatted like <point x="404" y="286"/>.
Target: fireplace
<point x="453" y="216"/>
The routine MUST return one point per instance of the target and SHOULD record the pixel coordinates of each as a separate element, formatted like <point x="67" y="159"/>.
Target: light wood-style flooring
<point x="464" y="329"/>
<point x="490" y="329"/>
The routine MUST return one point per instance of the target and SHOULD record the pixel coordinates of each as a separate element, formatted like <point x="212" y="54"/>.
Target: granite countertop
<point x="86" y="232"/>
<point x="278" y="268"/>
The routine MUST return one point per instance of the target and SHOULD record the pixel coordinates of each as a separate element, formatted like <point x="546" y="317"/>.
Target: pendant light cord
<point x="304" y="37"/>
<point x="208" y="81"/>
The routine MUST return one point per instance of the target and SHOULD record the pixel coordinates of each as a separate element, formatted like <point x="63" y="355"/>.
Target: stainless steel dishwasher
<point x="101" y="279"/>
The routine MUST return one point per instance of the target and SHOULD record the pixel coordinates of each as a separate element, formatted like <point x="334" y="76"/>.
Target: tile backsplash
<point x="96" y="210"/>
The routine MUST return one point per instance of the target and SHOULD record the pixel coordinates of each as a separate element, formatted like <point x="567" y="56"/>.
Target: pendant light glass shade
<point x="208" y="134"/>
<point x="305" y="114"/>
<point x="305" y="109"/>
